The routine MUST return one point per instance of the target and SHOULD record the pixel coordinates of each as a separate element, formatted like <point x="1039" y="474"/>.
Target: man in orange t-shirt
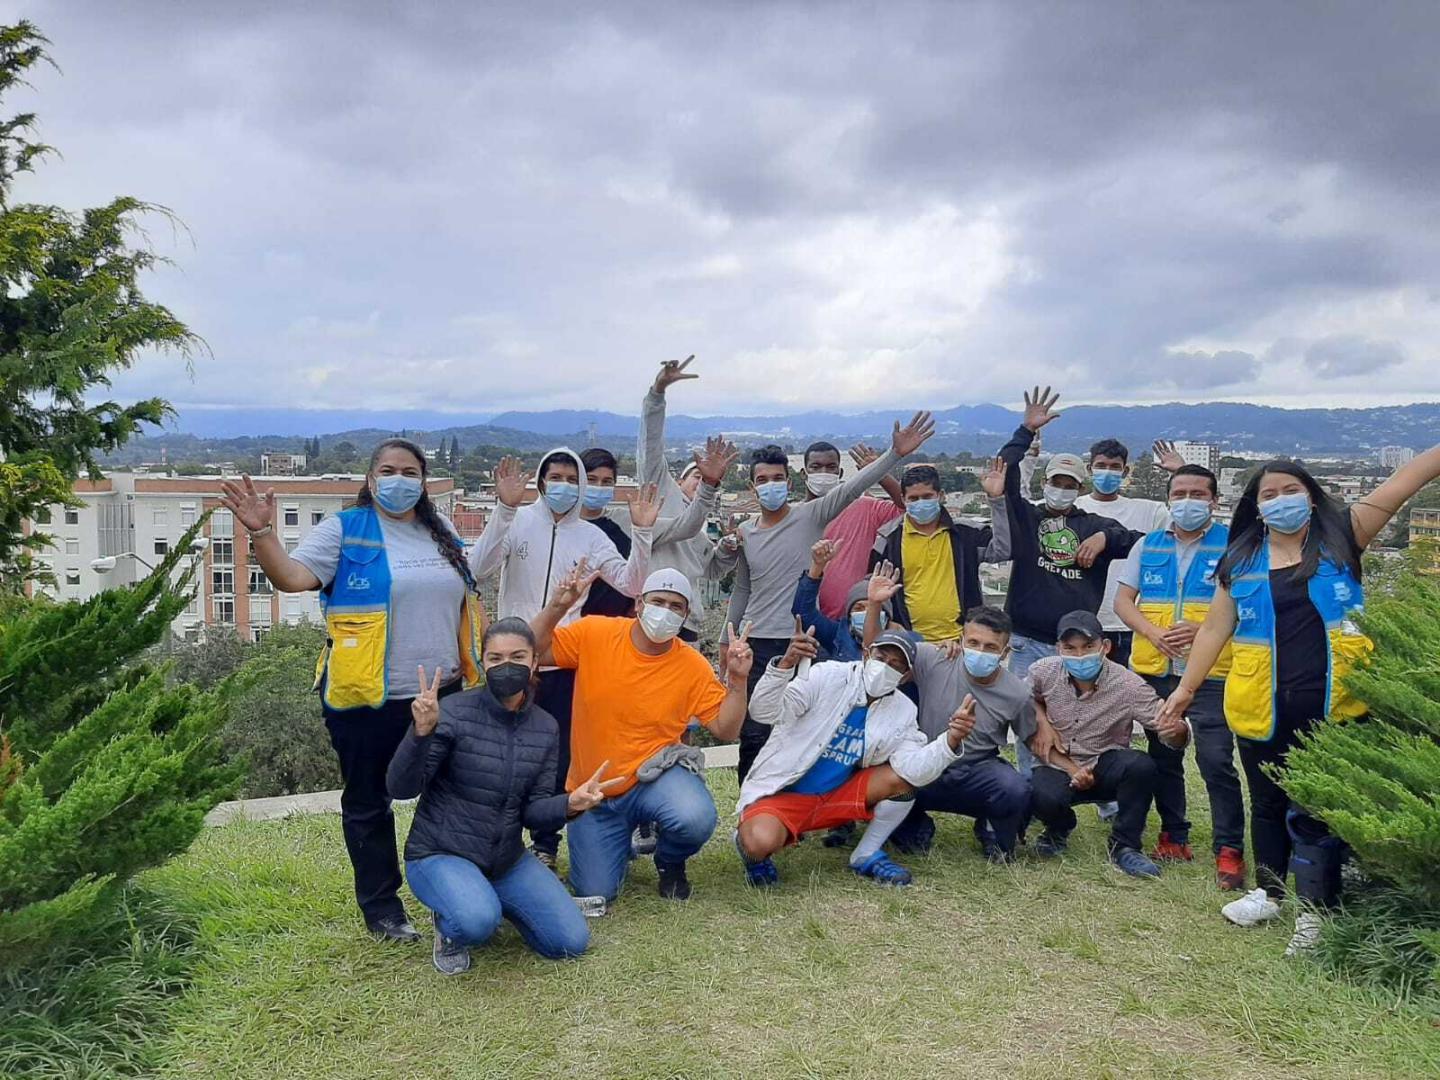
<point x="636" y="689"/>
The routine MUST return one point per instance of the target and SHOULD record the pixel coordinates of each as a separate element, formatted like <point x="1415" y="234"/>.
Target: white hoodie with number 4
<point x="532" y="552"/>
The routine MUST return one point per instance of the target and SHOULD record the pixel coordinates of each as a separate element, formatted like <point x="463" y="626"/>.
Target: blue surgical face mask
<point x="1287" y="513"/>
<point x="1191" y="514"/>
<point x="561" y="495"/>
<point x="923" y="511"/>
<point x="773" y="494"/>
<point x="857" y="622"/>
<point x="1106" y="481"/>
<point x="397" y="494"/>
<point x="1086" y="667"/>
<point x="598" y="498"/>
<point x="981" y="664"/>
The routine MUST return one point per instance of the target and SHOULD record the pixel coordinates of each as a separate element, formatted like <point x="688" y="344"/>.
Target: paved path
<point x="328" y="802"/>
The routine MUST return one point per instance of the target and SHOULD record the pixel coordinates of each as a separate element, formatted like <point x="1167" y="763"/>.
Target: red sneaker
<point x="1168" y="849"/>
<point x="1230" y="870"/>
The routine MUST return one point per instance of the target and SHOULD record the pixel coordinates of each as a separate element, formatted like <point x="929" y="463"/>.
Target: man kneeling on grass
<point x="843" y="746"/>
<point x="1086" y="707"/>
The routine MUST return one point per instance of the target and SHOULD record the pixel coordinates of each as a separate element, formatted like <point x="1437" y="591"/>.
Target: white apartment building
<point x="128" y="522"/>
<point x="1198" y="453"/>
<point x="273" y="464"/>
<point x="1392" y="457"/>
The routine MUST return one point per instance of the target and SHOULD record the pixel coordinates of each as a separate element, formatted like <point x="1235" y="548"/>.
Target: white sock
<point x="888" y="816"/>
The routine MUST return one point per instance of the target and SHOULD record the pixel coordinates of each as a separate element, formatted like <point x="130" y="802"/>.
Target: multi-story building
<point x="1424" y="525"/>
<point x="273" y="464"/>
<point x="128" y="522"/>
<point x="1392" y="457"/>
<point x="1198" y="453"/>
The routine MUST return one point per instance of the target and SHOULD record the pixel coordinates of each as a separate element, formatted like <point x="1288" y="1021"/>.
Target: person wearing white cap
<point x="1061" y="554"/>
<point x="636" y="689"/>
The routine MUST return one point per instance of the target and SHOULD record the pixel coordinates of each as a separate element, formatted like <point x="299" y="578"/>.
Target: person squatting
<point x="862" y="672"/>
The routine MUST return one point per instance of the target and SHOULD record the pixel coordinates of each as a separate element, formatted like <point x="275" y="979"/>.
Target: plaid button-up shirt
<point x="1102" y="719"/>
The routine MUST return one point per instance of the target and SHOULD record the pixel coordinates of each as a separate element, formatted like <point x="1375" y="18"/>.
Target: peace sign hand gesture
<point x="962" y="722"/>
<point x="1040" y="408"/>
<point x="803" y="646"/>
<point x="739" y="658"/>
<point x="425" y="708"/>
<point x="573" y="586"/>
<point x="252" y="510"/>
<point x="592" y="793"/>
<point x="672" y="371"/>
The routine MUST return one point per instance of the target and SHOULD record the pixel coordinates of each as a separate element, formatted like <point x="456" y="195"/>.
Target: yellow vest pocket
<point x="356" y="674"/>
<point x="1249" y="693"/>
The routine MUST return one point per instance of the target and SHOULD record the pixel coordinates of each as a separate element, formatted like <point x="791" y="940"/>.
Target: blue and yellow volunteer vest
<point x="351" y="668"/>
<point x="1165" y="599"/>
<point x="1250" y="689"/>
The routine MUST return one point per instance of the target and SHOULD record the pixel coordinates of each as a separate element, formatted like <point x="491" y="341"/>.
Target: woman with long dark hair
<point x="397" y="592"/>
<point x="1288" y="587"/>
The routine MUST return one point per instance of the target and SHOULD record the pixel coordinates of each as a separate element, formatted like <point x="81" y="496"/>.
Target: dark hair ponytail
<point x="1330" y="533"/>
<point x="446" y="540"/>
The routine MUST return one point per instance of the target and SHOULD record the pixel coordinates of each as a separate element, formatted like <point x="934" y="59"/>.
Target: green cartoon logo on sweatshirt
<point x="1058" y="542"/>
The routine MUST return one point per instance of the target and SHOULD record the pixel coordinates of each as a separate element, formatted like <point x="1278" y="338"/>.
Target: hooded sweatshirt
<point x="532" y="552"/>
<point x="835" y="635"/>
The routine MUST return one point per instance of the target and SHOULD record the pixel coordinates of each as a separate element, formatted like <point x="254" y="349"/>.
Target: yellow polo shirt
<point x="930" y="591"/>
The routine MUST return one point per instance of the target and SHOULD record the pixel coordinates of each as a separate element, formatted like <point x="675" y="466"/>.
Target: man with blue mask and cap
<point x="1093" y="704"/>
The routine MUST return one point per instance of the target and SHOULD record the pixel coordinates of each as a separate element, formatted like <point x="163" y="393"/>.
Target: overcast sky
<point x="484" y="206"/>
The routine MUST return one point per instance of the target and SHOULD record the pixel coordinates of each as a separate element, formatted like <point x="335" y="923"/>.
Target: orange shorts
<point x="807" y="813"/>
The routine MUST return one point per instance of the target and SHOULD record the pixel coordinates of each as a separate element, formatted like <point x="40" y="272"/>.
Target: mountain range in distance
<point x="974" y="428"/>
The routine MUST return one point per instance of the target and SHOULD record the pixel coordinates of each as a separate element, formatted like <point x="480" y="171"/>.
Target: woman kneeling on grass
<point x="1288" y="587"/>
<point x="483" y="763"/>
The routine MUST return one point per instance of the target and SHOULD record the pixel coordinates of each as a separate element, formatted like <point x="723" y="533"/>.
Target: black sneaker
<point x="393" y="928"/>
<point x="449" y="957"/>
<point x="674" y="885"/>
<point x="1051" y="845"/>
<point x="547" y="860"/>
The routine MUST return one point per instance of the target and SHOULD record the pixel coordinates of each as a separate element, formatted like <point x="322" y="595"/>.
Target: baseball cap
<point x="669" y="581"/>
<point x="1080" y="622"/>
<point x="1072" y="465"/>
<point x="903" y="640"/>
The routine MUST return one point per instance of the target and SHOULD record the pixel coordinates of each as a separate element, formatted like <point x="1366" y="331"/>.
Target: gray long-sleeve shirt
<point x="771" y="559"/>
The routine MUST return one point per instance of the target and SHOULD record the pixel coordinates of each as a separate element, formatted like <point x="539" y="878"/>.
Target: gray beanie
<point x="858" y="592"/>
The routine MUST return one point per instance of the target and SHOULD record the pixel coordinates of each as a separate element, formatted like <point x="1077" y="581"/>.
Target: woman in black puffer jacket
<point x="483" y="763"/>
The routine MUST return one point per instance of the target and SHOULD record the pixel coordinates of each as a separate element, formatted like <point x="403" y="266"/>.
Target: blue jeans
<point x="468" y="906"/>
<point x="679" y="804"/>
<point x="1025" y="651"/>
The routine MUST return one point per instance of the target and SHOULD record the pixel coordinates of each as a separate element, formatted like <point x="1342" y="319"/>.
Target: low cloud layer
<point x="484" y="207"/>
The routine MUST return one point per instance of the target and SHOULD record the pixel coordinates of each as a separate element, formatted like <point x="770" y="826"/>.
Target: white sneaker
<point x="1252" y="909"/>
<point x="1307" y="933"/>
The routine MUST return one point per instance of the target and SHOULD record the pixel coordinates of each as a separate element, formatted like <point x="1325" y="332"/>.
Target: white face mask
<point x="880" y="678"/>
<point x="1058" y="498"/>
<point x="660" y="624"/>
<point x="821" y="482"/>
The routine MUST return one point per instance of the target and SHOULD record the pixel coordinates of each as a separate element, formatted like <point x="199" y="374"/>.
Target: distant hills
<point x="216" y="434"/>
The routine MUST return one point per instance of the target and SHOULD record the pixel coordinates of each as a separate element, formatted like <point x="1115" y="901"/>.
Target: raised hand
<point x="510" y="481"/>
<point x="803" y="646"/>
<point x="739" y="658"/>
<point x="1039" y="408"/>
<point x="993" y="482"/>
<point x="906" y="440"/>
<point x="592" y="793"/>
<point x="821" y="554"/>
<point x="862" y="455"/>
<point x="715" y="462"/>
<point x="645" y="507"/>
<point x="1166" y="456"/>
<point x="884" y="583"/>
<point x="250" y="508"/>
<point x="671" y="372"/>
<point x="1090" y="549"/>
<point x="962" y="722"/>
<point x="574" y="585"/>
<point x="425" y="707"/>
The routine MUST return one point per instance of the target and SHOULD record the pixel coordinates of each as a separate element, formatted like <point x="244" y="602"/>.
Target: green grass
<point x="1040" y="970"/>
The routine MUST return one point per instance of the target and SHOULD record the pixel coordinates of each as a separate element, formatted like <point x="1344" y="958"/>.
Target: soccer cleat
<point x="760" y="874"/>
<point x="1252" y="909"/>
<point x="393" y="928"/>
<point x="1050" y="845"/>
<point x="1172" y="850"/>
<point x="882" y="870"/>
<point x="674" y="885"/>
<point x="1134" y="863"/>
<point x="1230" y="869"/>
<point x="1307" y="934"/>
<point x="449" y="957"/>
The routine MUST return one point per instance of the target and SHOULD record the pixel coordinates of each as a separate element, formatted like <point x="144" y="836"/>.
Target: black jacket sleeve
<point x="417" y="759"/>
<point x="545" y="810"/>
<point x="1022" y="514"/>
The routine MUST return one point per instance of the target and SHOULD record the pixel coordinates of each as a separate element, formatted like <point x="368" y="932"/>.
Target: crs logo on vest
<point x="356" y="582"/>
<point x="1153" y="577"/>
<point x="1343" y="592"/>
<point x="1246" y="612"/>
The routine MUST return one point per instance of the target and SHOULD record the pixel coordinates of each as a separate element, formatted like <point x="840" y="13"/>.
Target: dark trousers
<point x="365" y="741"/>
<point x="1214" y="754"/>
<point x="1121" y="642"/>
<point x="753" y="735"/>
<point x="987" y="790"/>
<point x="556" y="695"/>
<point x="1283" y="835"/>
<point x="1124" y="776"/>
